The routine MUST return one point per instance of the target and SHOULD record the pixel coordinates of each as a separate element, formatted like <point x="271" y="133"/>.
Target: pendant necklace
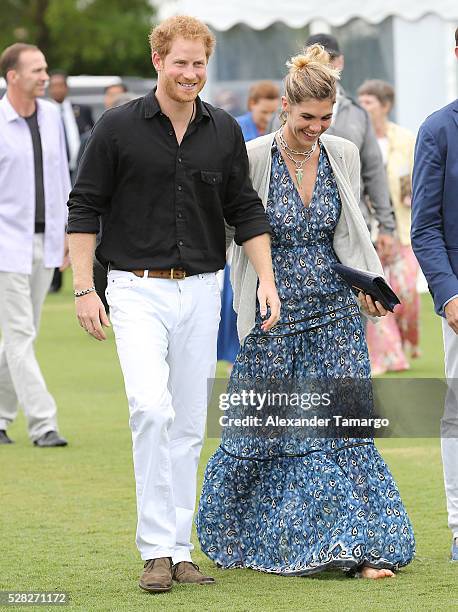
<point x="289" y="152"/>
<point x="192" y="115"/>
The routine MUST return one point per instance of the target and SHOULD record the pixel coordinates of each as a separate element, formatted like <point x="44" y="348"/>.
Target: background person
<point x="34" y="186"/>
<point x="434" y="241"/>
<point x="115" y="95"/>
<point x="165" y="171"/>
<point x="76" y="119"/>
<point x="294" y="504"/>
<point x="111" y="96"/>
<point x="350" y="121"/>
<point x="263" y="102"/>
<point x="397" y="336"/>
<point x="112" y="92"/>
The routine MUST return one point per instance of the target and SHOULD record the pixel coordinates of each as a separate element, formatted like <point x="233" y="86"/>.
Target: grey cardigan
<point x="352" y="242"/>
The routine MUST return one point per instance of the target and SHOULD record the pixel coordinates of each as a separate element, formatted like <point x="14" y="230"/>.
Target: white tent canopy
<point x="259" y="14"/>
<point x="408" y="43"/>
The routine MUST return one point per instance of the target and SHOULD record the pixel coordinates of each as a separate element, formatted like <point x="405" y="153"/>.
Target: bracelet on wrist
<point x="83" y="292"/>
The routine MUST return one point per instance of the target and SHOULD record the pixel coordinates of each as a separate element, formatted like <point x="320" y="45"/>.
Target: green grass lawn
<point x="67" y="516"/>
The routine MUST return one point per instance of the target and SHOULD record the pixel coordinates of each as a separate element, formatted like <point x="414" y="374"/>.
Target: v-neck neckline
<point x="304" y="206"/>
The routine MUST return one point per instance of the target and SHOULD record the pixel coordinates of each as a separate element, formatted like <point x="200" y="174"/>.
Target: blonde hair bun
<point x="315" y="54"/>
<point x="310" y="77"/>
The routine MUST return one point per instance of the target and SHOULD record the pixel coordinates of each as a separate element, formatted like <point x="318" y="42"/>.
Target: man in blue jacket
<point x="435" y="242"/>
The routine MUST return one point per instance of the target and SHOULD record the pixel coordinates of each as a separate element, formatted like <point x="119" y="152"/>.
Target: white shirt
<point x="71" y="131"/>
<point x="383" y="145"/>
<point x="335" y="109"/>
<point x="17" y="187"/>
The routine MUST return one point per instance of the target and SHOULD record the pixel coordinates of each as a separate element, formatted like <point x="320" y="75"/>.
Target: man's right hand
<point x="91" y="315"/>
<point x="451" y="313"/>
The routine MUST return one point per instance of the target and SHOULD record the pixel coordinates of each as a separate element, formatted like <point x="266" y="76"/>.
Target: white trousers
<point x="21" y="381"/>
<point x="449" y="427"/>
<point x="166" y="333"/>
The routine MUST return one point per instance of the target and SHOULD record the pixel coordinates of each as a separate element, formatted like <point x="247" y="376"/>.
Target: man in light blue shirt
<point x="34" y="188"/>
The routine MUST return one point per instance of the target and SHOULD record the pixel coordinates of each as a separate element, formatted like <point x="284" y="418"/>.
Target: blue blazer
<point x="435" y="203"/>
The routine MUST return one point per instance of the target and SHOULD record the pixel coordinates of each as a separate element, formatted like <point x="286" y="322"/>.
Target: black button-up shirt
<point x="163" y="205"/>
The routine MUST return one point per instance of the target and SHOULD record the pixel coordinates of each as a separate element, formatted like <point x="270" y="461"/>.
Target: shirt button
<point x="170" y="132"/>
<point x="179" y="187"/>
<point x="180" y="243"/>
<point x="179" y="160"/>
<point x="179" y="215"/>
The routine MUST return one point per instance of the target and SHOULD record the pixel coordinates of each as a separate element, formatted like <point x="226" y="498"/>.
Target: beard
<point x="177" y="93"/>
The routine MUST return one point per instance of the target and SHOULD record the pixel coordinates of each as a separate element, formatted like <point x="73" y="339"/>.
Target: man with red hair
<point x="165" y="172"/>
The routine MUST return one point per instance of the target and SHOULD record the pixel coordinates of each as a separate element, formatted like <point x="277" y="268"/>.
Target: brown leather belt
<point x="171" y="273"/>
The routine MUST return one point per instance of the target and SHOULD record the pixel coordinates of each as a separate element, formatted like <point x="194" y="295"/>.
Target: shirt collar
<point x="201" y="110"/>
<point x="10" y="112"/>
<point x="152" y="108"/>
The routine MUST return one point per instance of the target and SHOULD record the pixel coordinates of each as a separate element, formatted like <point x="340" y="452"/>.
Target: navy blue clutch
<point x="369" y="283"/>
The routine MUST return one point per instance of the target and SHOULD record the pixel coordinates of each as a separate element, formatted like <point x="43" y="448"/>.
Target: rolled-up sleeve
<point x="91" y="195"/>
<point x="243" y="208"/>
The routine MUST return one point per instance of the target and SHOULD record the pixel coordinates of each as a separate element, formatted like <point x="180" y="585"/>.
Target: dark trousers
<point x="100" y="282"/>
<point x="56" y="282"/>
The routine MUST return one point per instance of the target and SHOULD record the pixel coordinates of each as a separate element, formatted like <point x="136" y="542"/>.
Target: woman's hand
<point x="268" y="296"/>
<point x="375" y="309"/>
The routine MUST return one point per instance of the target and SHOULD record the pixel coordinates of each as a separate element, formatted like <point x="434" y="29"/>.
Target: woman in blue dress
<point x="280" y="501"/>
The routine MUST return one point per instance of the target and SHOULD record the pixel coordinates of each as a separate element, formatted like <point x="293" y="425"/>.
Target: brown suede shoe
<point x="157" y="576"/>
<point x="186" y="572"/>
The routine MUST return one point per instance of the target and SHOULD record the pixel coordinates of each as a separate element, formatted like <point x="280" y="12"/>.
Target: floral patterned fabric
<point x="396" y="336"/>
<point x="300" y="504"/>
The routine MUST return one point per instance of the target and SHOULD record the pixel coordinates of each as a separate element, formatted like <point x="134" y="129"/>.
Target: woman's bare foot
<point x="375" y="574"/>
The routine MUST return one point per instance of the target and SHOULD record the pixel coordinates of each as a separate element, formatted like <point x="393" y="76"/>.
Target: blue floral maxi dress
<point x="305" y="505"/>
